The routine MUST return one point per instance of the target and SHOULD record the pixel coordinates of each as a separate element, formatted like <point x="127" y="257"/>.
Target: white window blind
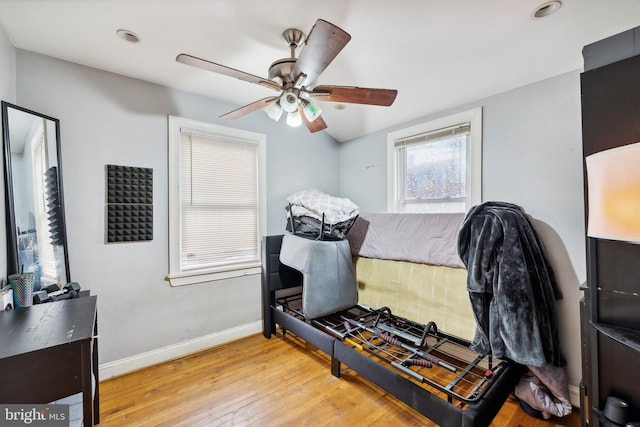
<point x="217" y="211"/>
<point x="433" y="136"/>
<point x="218" y="201"/>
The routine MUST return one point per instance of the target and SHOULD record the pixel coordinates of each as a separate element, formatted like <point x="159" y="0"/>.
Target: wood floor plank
<point x="282" y="381"/>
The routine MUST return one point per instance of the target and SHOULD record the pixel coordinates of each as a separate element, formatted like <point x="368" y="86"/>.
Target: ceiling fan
<point x="296" y="78"/>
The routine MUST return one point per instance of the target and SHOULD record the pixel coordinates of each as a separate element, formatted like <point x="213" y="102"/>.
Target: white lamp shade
<point x="311" y="110"/>
<point x="294" y="119"/>
<point x="274" y="111"/>
<point x="613" y="179"/>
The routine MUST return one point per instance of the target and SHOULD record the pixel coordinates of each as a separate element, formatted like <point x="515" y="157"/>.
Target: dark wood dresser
<point x="50" y="351"/>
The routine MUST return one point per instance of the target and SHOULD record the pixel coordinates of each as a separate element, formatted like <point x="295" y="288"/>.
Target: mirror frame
<point x="12" y="238"/>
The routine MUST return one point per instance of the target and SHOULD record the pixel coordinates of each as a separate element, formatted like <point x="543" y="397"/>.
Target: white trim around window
<point x="180" y="273"/>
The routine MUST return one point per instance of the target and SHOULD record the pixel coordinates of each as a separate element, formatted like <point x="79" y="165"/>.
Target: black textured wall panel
<point x="129" y="204"/>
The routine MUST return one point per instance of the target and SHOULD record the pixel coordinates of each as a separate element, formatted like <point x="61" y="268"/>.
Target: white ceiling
<point x="437" y="54"/>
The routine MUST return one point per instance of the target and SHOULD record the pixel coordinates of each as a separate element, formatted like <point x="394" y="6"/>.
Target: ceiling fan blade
<point x="184" y="58"/>
<point x="323" y="43"/>
<point x="314" y="126"/>
<point x="355" y="95"/>
<point x="249" y="108"/>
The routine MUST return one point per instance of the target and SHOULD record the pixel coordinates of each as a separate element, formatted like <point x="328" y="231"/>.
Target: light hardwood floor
<point x="260" y="382"/>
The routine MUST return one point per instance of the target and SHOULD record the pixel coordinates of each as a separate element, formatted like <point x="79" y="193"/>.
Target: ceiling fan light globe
<point x="294" y="119"/>
<point x="274" y="111"/>
<point x="311" y="110"/>
<point x="289" y="102"/>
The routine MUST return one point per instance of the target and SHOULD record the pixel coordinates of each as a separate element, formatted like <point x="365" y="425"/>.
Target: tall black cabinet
<point x="610" y="310"/>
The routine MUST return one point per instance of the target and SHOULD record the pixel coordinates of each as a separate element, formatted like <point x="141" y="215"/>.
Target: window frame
<point x="474" y="177"/>
<point x="177" y="276"/>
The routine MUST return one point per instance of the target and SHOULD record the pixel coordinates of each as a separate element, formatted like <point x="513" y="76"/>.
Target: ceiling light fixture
<point x="295" y="78"/>
<point x="546" y="9"/>
<point x="274" y="111"/>
<point x="311" y="110"/>
<point x="289" y="102"/>
<point x="129" y="36"/>
<point x="294" y="119"/>
<point x="292" y="104"/>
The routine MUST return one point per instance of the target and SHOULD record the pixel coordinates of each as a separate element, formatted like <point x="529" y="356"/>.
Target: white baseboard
<point x="143" y="360"/>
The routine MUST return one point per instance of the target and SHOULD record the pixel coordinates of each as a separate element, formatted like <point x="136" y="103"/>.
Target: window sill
<point x="194" y="277"/>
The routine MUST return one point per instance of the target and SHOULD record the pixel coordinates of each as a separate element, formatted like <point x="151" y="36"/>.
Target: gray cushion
<point x="329" y="283"/>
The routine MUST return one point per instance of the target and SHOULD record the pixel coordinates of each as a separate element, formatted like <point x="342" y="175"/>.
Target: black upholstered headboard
<point x="275" y="276"/>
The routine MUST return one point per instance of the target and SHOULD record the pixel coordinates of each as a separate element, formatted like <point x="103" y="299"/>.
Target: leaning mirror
<point x="36" y="237"/>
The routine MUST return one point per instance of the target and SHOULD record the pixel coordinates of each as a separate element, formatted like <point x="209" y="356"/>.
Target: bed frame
<point x="433" y="372"/>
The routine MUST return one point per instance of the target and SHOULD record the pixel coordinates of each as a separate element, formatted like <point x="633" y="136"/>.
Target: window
<point x="436" y="167"/>
<point x="216" y="201"/>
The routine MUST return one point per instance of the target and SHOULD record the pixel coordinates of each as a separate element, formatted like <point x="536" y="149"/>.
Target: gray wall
<point x="106" y="118"/>
<point x="8" y="94"/>
<point x="7" y="69"/>
<point x="532" y="156"/>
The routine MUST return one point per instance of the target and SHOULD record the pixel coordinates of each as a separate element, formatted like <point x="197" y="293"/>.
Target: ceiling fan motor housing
<point x="281" y="69"/>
